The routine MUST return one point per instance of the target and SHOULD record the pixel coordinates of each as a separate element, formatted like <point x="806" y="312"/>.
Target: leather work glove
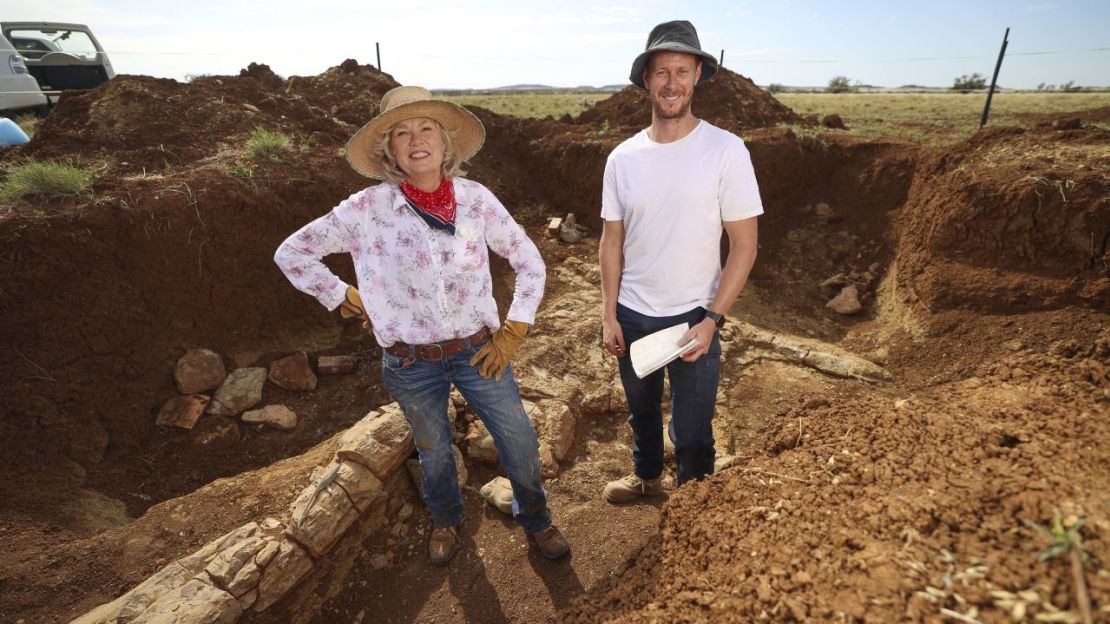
<point x="493" y="358"/>
<point x="352" y="305"/>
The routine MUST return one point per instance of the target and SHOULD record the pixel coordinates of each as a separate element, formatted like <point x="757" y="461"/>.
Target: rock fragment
<point x="240" y="391"/>
<point x="199" y="370"/>
<point x="276" y="416"/>
<point x="182" y="412"/>
<point x="293" y="373"/>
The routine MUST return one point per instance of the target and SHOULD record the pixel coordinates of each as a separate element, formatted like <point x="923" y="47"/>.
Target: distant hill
<point x="528" y="88"/>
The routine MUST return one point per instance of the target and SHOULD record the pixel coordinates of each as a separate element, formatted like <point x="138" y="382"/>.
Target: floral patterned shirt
<point x="419" y="285"/>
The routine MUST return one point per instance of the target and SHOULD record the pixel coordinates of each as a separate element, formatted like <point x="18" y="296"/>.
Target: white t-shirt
<point x="672" y="198"/>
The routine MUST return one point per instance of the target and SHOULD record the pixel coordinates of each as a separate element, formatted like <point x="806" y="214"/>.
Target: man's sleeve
<point x="739" y="190"/>
<point x="611" y="208"/>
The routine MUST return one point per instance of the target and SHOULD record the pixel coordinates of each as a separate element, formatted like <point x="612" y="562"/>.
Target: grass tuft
<point x="45" y="180"/>
<point x="268" y="144"/>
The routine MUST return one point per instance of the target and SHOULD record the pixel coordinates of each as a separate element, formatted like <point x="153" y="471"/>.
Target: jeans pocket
<point x="392" y="362"/>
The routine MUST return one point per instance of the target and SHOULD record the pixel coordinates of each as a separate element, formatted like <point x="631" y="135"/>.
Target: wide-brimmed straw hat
<point x="401" y="103"/>
<point x="677" y="36"/>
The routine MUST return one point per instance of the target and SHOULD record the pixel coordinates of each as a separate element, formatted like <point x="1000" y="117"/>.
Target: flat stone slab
<point x="336" y="364"/>
<point x="182" y="412"/>
<point x="240" y="391"/>
<point x="276" y="416"/>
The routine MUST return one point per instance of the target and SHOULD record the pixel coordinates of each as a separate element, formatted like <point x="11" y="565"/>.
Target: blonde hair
<point x="452" y="166"/>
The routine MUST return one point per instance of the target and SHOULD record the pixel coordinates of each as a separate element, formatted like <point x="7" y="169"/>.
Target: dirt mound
<point x="1011" y="220"/>
<point x="891" y="509"/>
<point x="348" y="91"/>
<point x="139" y="123"/>
<point x="727" y="100"/>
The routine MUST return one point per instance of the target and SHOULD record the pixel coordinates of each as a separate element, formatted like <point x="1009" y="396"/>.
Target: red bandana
<point x="440" y="203"/>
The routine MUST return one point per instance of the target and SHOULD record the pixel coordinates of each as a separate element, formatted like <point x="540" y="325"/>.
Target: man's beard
<point x="681" y="112"/>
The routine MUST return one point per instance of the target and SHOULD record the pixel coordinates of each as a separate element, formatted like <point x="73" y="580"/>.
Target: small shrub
<point x="263" y="143"/>
<point x="969" y="83"/>
<point x="841" y="84"/>
<point x="45" y="180"/>
<point x="775" y="87"/>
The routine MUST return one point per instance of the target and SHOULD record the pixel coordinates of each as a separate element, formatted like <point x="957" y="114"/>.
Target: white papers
<point x="655" y="351"/>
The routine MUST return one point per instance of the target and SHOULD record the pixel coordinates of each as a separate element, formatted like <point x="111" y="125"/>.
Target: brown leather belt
<point x="437" y="350"/>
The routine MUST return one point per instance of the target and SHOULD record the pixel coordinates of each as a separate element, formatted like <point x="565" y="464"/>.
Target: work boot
<point x="632" y="487"/>
<point x="551" y="542"/>
<point x="442" y="545"/>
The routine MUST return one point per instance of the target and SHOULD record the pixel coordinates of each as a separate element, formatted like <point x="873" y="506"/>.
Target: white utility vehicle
<point x="61" y="57"/>
<point x="18" y="88"/>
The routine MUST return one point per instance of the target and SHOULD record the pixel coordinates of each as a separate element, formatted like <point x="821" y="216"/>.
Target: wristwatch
<point x="718" y="319"/>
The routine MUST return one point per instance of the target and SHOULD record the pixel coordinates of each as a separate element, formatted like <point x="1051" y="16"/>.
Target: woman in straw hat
<point x="419" y="243"/>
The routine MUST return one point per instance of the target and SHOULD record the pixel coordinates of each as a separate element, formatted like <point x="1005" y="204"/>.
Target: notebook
<point x="655" y="351"/>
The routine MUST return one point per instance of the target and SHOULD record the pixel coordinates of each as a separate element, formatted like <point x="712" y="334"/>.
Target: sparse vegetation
<point x="775" y="87"/>
<point x="241" y="170"/>
<point x="969" y="83"/>
<point x="1067" y="541"/>
<point x="45" y="180"/>
<point x="268" y="144"/>
<point x="28" y="122"/>
<point x="1066" y="87"/>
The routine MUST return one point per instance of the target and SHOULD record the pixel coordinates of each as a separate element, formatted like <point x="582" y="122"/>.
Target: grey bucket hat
<point x="677" y="36"/>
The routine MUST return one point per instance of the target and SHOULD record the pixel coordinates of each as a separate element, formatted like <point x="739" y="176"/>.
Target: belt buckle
<point x="437" y="346"/>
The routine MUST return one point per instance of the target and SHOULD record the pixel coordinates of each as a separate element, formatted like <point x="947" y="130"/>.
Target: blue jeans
<point x="423" y="388"/>
<point x="693" y="398"/>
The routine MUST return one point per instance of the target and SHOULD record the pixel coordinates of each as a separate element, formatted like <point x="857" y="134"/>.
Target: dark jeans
<point x="423" y="388"/>
<point x="693" y="397"/>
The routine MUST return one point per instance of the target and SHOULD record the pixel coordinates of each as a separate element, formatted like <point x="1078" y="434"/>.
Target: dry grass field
<point x="928" y="118"/>
<point x="532" y="103"/>
<point x="934" y="118"/>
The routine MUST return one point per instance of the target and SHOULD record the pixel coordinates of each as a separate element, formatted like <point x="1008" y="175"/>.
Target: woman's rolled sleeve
<point x="299" y="257"/>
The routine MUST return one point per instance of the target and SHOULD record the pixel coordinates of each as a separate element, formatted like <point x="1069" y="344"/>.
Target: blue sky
<point x="488" y="43"/>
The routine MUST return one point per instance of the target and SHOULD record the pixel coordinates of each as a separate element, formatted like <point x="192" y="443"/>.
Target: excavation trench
<point x="100" y="298"/>
<point x="832" y="217"/>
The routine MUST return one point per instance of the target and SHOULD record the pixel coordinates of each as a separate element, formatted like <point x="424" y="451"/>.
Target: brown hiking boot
<point x="442" y="545"/>
<point x="551" y="543"/>
<point x="630" y="488"/>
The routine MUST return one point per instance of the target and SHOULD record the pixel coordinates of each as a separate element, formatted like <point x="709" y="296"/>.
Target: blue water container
<point x="11" y="134"/>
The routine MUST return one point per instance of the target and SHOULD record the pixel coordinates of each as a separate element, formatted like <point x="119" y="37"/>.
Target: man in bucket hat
<point x="669" y="191"/>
